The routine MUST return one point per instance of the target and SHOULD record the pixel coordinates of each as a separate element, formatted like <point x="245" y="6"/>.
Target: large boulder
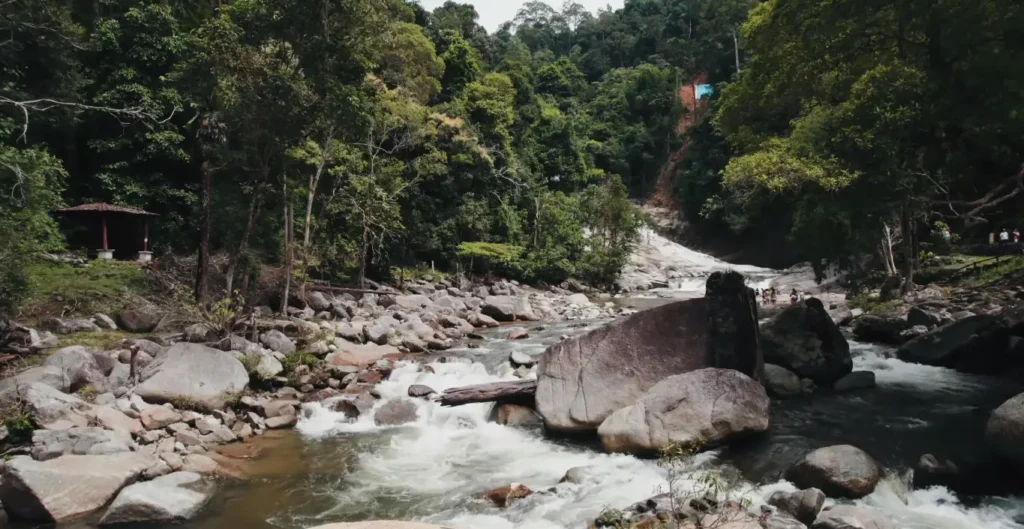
<point x="804" y="505"/>
<point x="48" y="406"/>
<point x="1004" y="433"/>
<point x="317" y="301"/>
<point x="781" y="382"/>
<point x="82" y="367"/>
<point x="880" y="329"/>
<point x="276" y="341"/>
<point x="175" y="497"/>
<point x="839" y="471"/>
<point x="977" y="344"/>
<point x="704" y="408"/>
<point x="78" y="440"/>
<point x="804" y="339"/>
<point x="508" y="308"/>
<point x="69" y="486"/>
<point x="192" y="372"/>
<point x="141" y="319"/>
<point x="582" y="380"/>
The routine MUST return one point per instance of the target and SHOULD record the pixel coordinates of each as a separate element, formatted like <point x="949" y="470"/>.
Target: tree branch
<point x="44" y="104"/>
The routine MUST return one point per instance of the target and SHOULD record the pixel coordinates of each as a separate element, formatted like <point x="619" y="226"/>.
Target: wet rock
<point x="851" y="517"/>
<point x="582" y="380"/>
<point x="516" y="416"/>
<point x="518" y="334"/>
<point x="578" y="475"/>
<point x="69" y="486"/>
<point x="276" y="341"/>
<point x="507" y="308"/>
<point x="880" y="329"/>
<point x="803" y="505"/>
<point x="414" y="344"/>
<point x="395" y="412"/>
<point x="839" y="471"/>
<point x="505" y="496"/>
<point x="855" y="380"/>
<point x="193" y="372"/>
<point x="781" y="382"/>
<point x="521" y="359"/>
<point x="420" y="391"/>
<point x="140" y="320"/>
<point x="198" y="464"/>
<point x="921" y="316"/>
<point x="804" y="339"/>
<point x="1004" y="433"/>
<point x="284" y="421"/>
<point x="172" y="498"/>
<point x="977" y="344"/>
<point x="913" y="332"/>
<point x="709" y="407"/>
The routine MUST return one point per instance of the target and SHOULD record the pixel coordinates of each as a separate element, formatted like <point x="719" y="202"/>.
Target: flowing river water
<point x="434" y="470"/>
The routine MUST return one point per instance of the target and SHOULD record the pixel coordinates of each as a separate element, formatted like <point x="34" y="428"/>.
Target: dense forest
<point x="340" y="139"/>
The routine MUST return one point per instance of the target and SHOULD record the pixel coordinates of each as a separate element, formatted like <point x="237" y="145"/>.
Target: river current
<point x="434" y="470"/>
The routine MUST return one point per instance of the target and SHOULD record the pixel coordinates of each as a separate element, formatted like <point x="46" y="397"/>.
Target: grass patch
<point x="419" y="271"/>
<point x="873" y="305"/>
<point x="102" y="340"/>
<point x="57" y="289"/>
<point x="1007" y="269"/>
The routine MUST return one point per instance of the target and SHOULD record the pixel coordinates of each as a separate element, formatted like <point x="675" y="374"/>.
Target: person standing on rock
<point x="773" y="295"/>
<point x="1016" y="236"/>
<point x="793" y="297"/>
<point x="1004" y="236"/>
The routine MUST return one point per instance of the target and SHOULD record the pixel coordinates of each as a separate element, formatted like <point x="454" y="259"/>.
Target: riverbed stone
<point x="140" y="319"/>
<point x="157" y="417"/>
<point x="420" y="391"/>
<point x="851" y="517"/>
<point x="104" y="322"/>
<point x="507" y="308"/>
<point x="198" y="464"/>
<point x="977" y="344"/>
<point x="881" y="329"/>
<point x="804" y="505"/>
<point x="193" y="372"/>
<point x="521" y="359"/>
<point x="479" y="320"/>
<point x="842" y="471"/>
<point x="855" y="380"/>
<point x="804" y="339"/>
<point x="395" y="412"/>
<point x="507" y="495"/>
<point x="175" y="497"/>
<point x="68" y="486"/>
<point x="276" y="340"/>
<point x="282" y="421"/>
<point x="360" y="356"/>
<point x="1004" y="432"/>
<point x="81" y="367"/>
<point x="705" y="409"/>
<point x="582" y="380"/>
<point x="781" y="382"/>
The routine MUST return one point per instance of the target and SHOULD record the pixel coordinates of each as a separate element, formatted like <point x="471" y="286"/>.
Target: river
<point x="434" y="470"/>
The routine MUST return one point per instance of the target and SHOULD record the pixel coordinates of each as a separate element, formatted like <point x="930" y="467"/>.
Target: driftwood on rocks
<point x="515" y="391"/>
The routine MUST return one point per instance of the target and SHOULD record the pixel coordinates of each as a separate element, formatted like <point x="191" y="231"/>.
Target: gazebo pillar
<point x="145" y="255"/>
<point x="104" y="253"/>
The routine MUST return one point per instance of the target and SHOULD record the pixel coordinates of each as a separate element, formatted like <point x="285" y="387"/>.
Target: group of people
<point x="770" y="295"/>
<point x="1004" y="236"/>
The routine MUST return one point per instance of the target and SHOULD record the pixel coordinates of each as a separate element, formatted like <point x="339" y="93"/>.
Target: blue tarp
<point x="703" y="90"/>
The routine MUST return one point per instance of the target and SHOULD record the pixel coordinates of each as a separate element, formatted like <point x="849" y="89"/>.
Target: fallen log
<point x="516" y="392"/>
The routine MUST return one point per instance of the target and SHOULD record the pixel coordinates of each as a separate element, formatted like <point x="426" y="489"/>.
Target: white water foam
<point x="439" y="466"/>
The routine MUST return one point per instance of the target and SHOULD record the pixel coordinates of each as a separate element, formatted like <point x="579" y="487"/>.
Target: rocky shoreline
<point x="139" y="427"/>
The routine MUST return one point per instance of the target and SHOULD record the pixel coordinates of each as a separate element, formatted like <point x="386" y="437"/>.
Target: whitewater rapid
<point x="435" y="469"/>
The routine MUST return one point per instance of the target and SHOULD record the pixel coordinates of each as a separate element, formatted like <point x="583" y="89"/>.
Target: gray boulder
<point x="839" y="471"/>
<point x="976" y="344"/>
<point x="195" y="372"/>
<point x="450" y="302"/>
<point x="1004" y="433"/>
<point x="276" y="341"/>
<point x="48" y="406"/>
<point x="78" y="440"/>
<point x="481" y="320"/>
<point x="140" y="320"/>
<point x="804" y="339"/>
<point x="804" y="505"/>
<point x="582" y="380"/>
<point x="176" y="497"/>
<point x="413" y="301"/>
<point x="705" y="408"/>
<point x="855" y="380"/>
<point x="357" y="355"/>
<point x="781" y="382"/>
<point x="81" y="367"/>
<point x="881" y="329"/>
<point x="317" y="301"/>
<point x="395" y="412"/>
<point x="508" y="308"/>
<point x="921" y="316"/>
<point x="104" y="322"/>
<point x="69" y="486"/>
<point x="380" y="330"/>
<point x="851" y="517"/>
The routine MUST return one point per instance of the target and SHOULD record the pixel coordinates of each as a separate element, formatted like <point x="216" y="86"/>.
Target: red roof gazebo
<point x="105" y="211"/>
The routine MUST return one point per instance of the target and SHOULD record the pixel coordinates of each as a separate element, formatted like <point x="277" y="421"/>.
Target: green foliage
<point x="299" y="358"/>
<point x="187" y="404"/>
<point x="103" y="286"/>
<point x="19" y="425"/>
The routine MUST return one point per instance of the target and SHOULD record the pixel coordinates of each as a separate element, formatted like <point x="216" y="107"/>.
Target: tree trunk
<point x="516" y="391"/>
<point x="363" y="250"/>
<point x="203" y="264"/>
<point x="243" y="245"/>
<point x="736" y="48"/>
<point x="314" y="182"/>
<point x="908" y="246"/>
<point x="287" y="251"/>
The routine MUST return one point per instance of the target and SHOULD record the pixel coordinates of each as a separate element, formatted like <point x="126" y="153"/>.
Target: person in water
<point x="772" y="295"/>
<point x="793" y="296"/>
